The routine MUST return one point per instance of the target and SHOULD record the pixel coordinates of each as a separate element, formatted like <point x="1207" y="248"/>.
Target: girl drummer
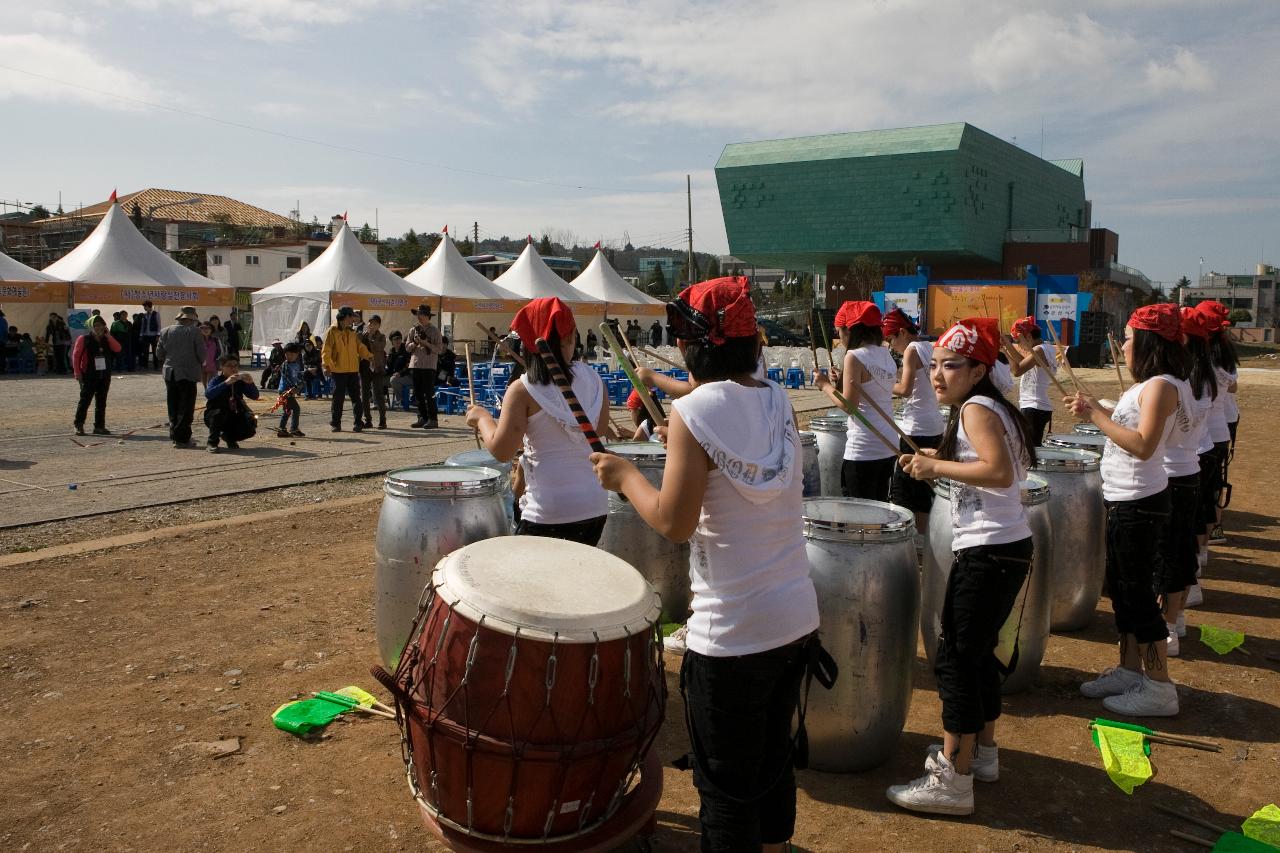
<point x="985" y="453"/>
<point x="562" y="498"/>
<point x="1135" y="487"/>
<point x="1225" y="415"/>
<point x="732" y="486"/>
<point x="1033" y="387"/>
<point x="867" y="376"/>
<point x="920" y="416"/>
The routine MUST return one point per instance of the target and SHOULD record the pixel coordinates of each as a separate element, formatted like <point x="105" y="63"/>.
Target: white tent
<point x="530" y="278"/>
<point x="345" y="274"/>
<point x="116" y="267"/>
<point x="462" y="296"/>
<point x="28" y="296"/>
<point x="622" y="301"/>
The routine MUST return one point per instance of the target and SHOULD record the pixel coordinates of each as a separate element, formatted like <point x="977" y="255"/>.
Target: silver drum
<point x="1034" y="599"/>
<point x="1079" y="440"/>
<point x="484" y="459"/>
<point x="863" y="564"/>
<point x="810" y="467"/>
<point x="1087" y="429"/>
<point x="663" y="563"/>
<point x="830" y="432"/>
<point x="427" y="513"/>
<point x="1079" y="544"/>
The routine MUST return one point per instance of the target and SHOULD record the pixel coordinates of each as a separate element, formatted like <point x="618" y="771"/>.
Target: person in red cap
<point x="986" y="451"/>
<point x="1135" y="488"/>
<point x="732" y="487"/>
<point x="562" y="498"/>
<point x="920" y="418"/>
<point x="1225" y="415"/>
<point x="867" y="373"/>
<point x="1033" y="387"/>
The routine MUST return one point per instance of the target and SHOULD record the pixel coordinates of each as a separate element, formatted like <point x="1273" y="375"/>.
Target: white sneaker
<point x="985" y="765"/>
<point x="1112" y="682"/>
<point x="1195" y="596"/>
<point x="1171" y="643"/>
<point x="675" y="641"/>
<point x="941" y="790"/>
<point x="1202" y="560"/>
<point x="1147" y="698"/>
<point x="1181" y="625"/>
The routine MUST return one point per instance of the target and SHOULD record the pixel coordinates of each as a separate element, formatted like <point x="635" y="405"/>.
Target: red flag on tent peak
<point x="597" y="245"/>
<point x="529" y="239"/>
<point x="445" y="230"/>
<point x="113" y="197"/>
<point x="344" y="216"/>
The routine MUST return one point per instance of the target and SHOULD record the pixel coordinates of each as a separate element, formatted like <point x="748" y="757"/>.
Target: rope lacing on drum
<point x="593" y="673"/>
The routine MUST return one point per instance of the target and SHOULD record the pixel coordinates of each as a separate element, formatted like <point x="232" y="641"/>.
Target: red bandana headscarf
<point x="1024" y="326"/>
<point x="1162" y="318"/>
<point x="1215" y="315"/>
<point x="1194" y="323"/>
<point x="539" y="318"/>
<point x="895" y="321"/>
<point x="726" y="305"/>
<point x="977" y="338"/>
<point x="857" y="314"/>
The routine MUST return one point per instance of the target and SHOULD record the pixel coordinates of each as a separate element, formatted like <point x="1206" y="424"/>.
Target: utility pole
<point x="475" y="238"/>
<point x="688" y="189"/>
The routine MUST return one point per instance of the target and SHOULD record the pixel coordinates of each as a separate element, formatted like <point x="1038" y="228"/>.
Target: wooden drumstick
<point x="566" y="390"/>
<point x="471" y="387"/>
<point x="915" y="448"/>
<point x="653" y="355"/>
<point x="1066" y="363"/>
<point x="642" y="391"/>
<point x="852" y="410"/>
<point x="502" y="345"/>
<point x="1116" y="355"/>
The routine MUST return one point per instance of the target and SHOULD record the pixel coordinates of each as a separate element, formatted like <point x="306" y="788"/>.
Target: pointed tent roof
<point x="530" y="278"/>
<point x="17" y="272"/>
<point x="446" y="273"/>
<point x="117" y="253"/>
<point x="602" y="281"/>
<point x="344" y="267"/>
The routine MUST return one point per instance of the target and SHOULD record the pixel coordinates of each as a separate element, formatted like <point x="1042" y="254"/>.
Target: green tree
<point x="1179" y="289"/>
<point x="657" y="281"/>
<point x="410" y="253"/>
<point x="865" y="275"/>
<point x="39" y="212"/>
<point x="713" y="268"/>
<point x="365" y="233"/>
<point x="544" y="246"/>
<point x="1240" y="315"/>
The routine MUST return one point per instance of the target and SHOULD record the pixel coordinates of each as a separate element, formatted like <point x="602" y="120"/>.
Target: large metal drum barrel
<point x="863" y="564"/>
<point x="663" y="563"/>
<point x="810" y="467"/>
<point x="427" y="513"/>
<point x="484" y="459"/>
<point x="1080" y="440"/>
<point x="829" y="431"/>
<point x="1079" y="542"/>
<point x="1034" y="600"/>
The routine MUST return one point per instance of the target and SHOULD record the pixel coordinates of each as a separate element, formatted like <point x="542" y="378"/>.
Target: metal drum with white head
<point x="863" y="565"/>
<point x="483" y="458"/>
<point x="1078" y="440"/>
<point x="1087" y="429"/>
<point x="1080" y="542"/>
<point x="663" y="563"/>
<point x="427" y="513"/>
<point x="1028" y="622"/>
<point x="830" y="433"/>
<point x="810" y="467"/>
<point x="531" y="690"/>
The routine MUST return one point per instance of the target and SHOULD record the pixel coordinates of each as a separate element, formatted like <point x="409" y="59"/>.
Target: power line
<point x="332" y="145"/>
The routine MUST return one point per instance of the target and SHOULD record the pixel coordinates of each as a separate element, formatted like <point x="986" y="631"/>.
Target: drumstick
<point x="566" y="390"/>
<point x="1116" y="355"/>
<point x="653" y="355"/>
<point x="642" y="390"/>
<point x="915" y="448"/>
<point x="471" y="386"/>
<point x="1044" y="365"/>
<point x="635" y="363"/>
<point x="1066" y="363"/>
<point x="853" y="412"/>
<point x="502" y="345"/>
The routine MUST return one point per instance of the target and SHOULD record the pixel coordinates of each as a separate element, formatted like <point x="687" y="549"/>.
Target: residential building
<point x="1253" y="293"/>
<point x="253" y="266"/>
<point x="493" y="265"/>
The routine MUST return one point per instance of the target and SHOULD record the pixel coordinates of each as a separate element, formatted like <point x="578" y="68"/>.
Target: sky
<point x="583" y="119"/>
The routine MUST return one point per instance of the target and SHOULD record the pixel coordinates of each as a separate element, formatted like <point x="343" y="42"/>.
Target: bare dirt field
<point x="119" y="664"/>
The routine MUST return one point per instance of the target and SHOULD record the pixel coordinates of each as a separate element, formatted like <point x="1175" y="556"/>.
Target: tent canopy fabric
<point x="602" y="281"/>
<point x="447" y="276"/>
<point x="12" y="271"/>
<point x="530" y="278"/>
<point x="28" y="296"/>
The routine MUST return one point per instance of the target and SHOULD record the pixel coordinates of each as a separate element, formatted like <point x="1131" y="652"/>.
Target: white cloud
<point x="273" y="20"/>
<point x="71" y="62"/>
<point x="1185" y="73"/>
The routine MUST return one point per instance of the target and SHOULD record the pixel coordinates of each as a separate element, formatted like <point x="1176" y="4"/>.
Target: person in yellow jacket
<point x="340" y="358"/>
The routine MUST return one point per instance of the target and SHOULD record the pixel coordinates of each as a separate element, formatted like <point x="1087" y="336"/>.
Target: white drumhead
<point x="640" y="451"/>
<point x="856" y="520"/>
<point x="547" y="589"/>
<point x="442" y="474"/>
<point x="481" y="458"/>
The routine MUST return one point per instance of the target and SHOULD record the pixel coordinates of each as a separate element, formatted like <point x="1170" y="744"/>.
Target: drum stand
<point x="634" y="817"/>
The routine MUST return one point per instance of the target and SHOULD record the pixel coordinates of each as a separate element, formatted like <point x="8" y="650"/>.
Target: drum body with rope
<point x="1086" y="429"/>
<point x="1092" y="442"/>
<point x="484" y="459"/>
<point x="1028" y="622"/>
<point x="810" y="468"/>
<point x="1080" y="541"/>
<point x="830" y="434"/>
<point x="530" y="692"/>
<point x="863" y="565"/>
<point x="427" y="513"/>
<point x="663" y="563"/>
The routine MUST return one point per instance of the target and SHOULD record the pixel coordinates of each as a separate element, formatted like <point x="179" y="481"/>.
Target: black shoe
<point x="335" y="428"/>
<point x="101" y="431"/>
<point x="357" y="427"/>
<point x="213" y="448"/>
<point x="382" y="424"/>
<point x="415" y="425"/>
<point x="368" y="423"/>
<point x="432" y="424"/>
<point x="80" y="428"/>
<point x="231" y="445"/>
<point x="297" y="433"/>
<point x="282" y="433"/>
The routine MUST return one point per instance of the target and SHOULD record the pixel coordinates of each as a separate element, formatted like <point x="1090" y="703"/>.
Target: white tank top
<point x="920" y="414"/>
<point x="1033" y="387"/>
<point x="984" y="515"/>
<point x="1231" y="406"/>
<point x="560" y="484"/>
<point x="1125" y="477"/>
<point x="1002" y="377"/>
<point x="1181" y="450"/>
<point x="860" y="445"/>
<point x="1218" y="419"/>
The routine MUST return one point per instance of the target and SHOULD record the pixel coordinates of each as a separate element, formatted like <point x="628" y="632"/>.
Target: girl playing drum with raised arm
<point x="920" y="416"/>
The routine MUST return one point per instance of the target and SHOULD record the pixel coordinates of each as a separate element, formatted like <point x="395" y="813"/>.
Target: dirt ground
<point x="116" y="666"/>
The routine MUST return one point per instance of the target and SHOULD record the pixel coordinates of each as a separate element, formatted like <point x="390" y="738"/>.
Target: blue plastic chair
<point x="775" y="374"/>
<point x="795" y="377"/>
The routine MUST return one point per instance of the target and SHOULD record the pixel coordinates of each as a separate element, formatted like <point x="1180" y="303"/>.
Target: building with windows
<point x="670" y="266"/>
<point x="254" y="266"/>
<point x="1253" y="293"/>
<point x="493" y="265"/>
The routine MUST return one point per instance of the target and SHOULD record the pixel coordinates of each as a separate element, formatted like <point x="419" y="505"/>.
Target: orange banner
<point x="135" y="294"/>
<point x="951" y="302"/>
<point x="627" y="309"/>
<point x="53" y="292"/>
<point x="378" y="301"/>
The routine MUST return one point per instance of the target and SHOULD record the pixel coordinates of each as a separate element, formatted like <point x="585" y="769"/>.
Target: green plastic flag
<point x="1220" y="639"/>
<point x="1124" y="757"/>
<point x="303" y="717"/>
<point x="363" y="698"/>
<point x="1234" y="842"/>
<point x="1264" y="825"/>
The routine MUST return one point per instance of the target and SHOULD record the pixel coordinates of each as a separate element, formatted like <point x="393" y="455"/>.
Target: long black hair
<point x="708" y="362"/>
<point x="1154" y="355"/>
<point x="984" y="387"/>
<point x="1202" y="376"/>
<point x="1222" y="351"/>
<point x="860" y="336"/>
<point x="537" y="371"/>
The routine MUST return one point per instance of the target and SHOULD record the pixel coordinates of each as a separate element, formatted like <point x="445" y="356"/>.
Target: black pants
<point x="290" y="407"/>
<point x="373" y="389"/>
<point x="424" y="388"/>
<point x="226" y="425"/>
<point x="915" y="495"/>
<point x="59" y="362"/>
<point x="981" y="591"/>
<point x="348" y="384"/>
<point x="739" y="717"/>
<point x="1211" y="466"/>
<point x="180" y="396"/>
<point x="1040" y="421"/>
<point x="147" y="346"/>
<point x="1180" y="545"/>
<point x="1135" y="558"/>
<point x="587" y="532"/>
<point x="93" y="387"/>
<point x="867" y="480"/>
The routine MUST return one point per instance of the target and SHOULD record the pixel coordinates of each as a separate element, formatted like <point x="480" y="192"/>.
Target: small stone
<point x="279" y="809"/>
<point x="275" y="787"/>
<point x="179" y="728"/>
<point x="80" y="600"/>
<point x="52" y="694"/>
<point x="338" y="792"/>
<point x="130" y="667"/>
<point x="230" y="706"/>
<point x="232" y="673"/>
<point x="291" y="663"/>
<point x="266" y="607"/>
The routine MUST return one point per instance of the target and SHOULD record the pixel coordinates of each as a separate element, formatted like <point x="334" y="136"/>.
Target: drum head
<point x="477" y="458"/>
<point x="641" y="452"/>
<point x="1035" y="490"/>
<point x="1066" y="459"/>
<point x="447" y="481"/>
<point x="547" y="589"/>
<point x="855" y="520"/>
<point x="829" y="423"/>
<point x="1080" y="440"/>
